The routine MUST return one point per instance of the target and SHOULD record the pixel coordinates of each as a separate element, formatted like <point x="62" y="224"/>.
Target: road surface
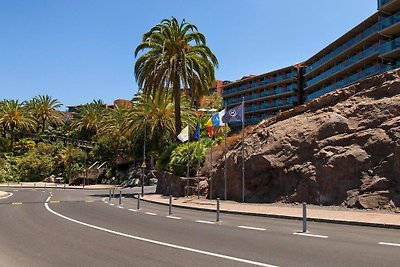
<point x="56" y="227"/>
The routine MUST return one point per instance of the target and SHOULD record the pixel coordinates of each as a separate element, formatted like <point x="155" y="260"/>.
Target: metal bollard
<point x="217" y="209"/>
<point x="120" y="197"/>
<point x="138" y="201"/>
<point x="44" y="185"/>
<point x="21" y="184"/>
<point x="34" y="185"/>
<point x="170" y="205"/>
<point x="305" y="217"/>
<point x="113" y="192"/>
<point x="109" y="195"/>
<point x="8" y="184"/>
<point x="64" y="185"/>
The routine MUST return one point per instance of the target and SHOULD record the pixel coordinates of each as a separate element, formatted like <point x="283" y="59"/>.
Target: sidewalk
<point x="54" y="185"/>
<point x="288" y="211"/>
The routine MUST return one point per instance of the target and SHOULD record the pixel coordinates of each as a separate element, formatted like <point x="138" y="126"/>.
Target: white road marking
<point x="389" y="244"/>
<point x="120" y="207"/>
<point x="10" y="194"/>
<point x="132" y="210"/>
<point x="111" y="204"/>
<point x="150" y="213"/>
<point x="251" y="228"/>
<point x="207" y="222"/>
<point x="173" y="217"/>
<point x="203" y="252"/>
<point x="311" y="235"/>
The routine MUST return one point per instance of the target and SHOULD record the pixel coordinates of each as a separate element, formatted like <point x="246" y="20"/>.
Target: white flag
<point x="184" y="135"/>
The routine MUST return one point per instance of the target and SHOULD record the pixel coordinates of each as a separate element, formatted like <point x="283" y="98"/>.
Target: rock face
<point x="340" y="149"/>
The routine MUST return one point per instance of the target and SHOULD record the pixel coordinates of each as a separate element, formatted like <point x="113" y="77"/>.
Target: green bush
<point x="179" y="157"/>
<point x="35" y="167"/>
<point x="23" y="145"/>
<point x="163" y="162"/>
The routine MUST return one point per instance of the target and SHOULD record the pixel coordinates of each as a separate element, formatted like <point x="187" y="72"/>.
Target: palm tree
<point x="13" y="117"/>
<point x="156" y="114"/>
<point x="89" y="117"/>
<point x="176" y="58"/>
<point x="44" y="110"/>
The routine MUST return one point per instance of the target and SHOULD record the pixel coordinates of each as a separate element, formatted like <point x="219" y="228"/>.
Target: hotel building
<point x="370" y="48"/>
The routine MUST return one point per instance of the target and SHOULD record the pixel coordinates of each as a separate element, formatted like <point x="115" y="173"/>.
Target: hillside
<point x="340" y="149"/>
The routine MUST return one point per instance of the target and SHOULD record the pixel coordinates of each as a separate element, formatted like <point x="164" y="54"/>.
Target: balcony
<point x="366" y="33"/>
<point x="390" y="46"/>
<point x="352" y="60"/>
<point x="349" y="80"/>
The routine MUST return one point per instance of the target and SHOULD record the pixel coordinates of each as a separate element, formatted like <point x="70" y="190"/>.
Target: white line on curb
<point x="222" y="256"/>
<point x="150" y="213"/>
<point x="311" y="235"/>
<point x="132" y="210"/>
<point x="173" y="217"/>
<point x="389" y="244"/>
<point x="10" y="194"/>
<point x="251" y="228"/>
<point x="207" y="222"/>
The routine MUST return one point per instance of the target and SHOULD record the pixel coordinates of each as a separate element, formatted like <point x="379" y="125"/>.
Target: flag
<point x="234" y="114"/>
<point x="197" y="132"/>
<point x="217" y="118"/>
<point x="184" y="135"/>
<point x="209" y="128"/>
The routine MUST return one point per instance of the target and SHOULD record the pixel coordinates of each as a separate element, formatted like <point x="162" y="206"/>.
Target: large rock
<point x="340" y="149"/>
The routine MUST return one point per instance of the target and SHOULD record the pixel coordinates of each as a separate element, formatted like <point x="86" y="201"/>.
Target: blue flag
<point x="196" y="134"/>
<point x="234" y="114"/>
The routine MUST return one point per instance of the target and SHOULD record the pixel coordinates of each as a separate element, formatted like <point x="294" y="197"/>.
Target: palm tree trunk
<point x="177" y="97"/>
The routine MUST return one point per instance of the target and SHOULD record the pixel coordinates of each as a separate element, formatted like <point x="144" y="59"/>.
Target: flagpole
<point x="211" y="163"/>
<point x="188" y="159"/>
<point x="198" y="158"/>
<point x="242" y="148"/>
<point x="225" y="170"/>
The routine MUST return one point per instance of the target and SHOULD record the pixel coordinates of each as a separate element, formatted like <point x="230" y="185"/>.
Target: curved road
<point x="80" y="228"/>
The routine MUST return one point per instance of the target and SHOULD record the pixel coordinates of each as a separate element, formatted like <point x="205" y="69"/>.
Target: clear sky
<point x="80" y="50"/>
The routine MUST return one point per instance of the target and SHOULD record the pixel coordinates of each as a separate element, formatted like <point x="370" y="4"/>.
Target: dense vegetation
<point x="175" y="70"/>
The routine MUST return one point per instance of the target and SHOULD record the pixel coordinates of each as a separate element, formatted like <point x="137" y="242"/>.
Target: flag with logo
<point x="217" y="118"/>
<point x="234" y="114"/>
<point x="184" y="135"/>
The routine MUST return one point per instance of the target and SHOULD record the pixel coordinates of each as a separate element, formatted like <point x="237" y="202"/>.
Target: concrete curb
<point x="51" y="187"/>
<point x="279" y="216"/>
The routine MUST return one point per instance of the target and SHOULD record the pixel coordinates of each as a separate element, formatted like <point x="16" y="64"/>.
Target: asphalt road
<point x="81" y="228"/>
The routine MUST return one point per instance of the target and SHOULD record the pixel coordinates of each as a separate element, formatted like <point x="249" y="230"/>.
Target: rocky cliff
<point x="340" y="149"/>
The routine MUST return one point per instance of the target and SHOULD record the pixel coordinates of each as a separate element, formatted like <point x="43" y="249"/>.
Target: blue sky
<point x="80" y="50"/>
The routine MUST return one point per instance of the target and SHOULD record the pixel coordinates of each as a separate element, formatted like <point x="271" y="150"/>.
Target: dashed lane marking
<point x="89" y="201"/>
<point x="164" y="244"/>
<point x="151" y="213"/>
<point x="311" y="235"/>
<point x="389" y="244"/>
<point x="111" y="204"/>
<point x="16" y="203"/>
<point x="206" y="222"/>
<point x="251" y="228"/>
<point x="173" y="217"/>
<point x="120" y="207"/>
<point x="132" y="210"/>
<point x="54" y="201"/>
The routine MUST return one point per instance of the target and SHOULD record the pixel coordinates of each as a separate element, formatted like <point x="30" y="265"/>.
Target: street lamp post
<point x="144" y="156"/>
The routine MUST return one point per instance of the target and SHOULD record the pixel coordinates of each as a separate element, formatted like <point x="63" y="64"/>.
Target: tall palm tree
<point x="13" y="117"/>
<point x="176" y="58"/>
<point x="44" y="108"/>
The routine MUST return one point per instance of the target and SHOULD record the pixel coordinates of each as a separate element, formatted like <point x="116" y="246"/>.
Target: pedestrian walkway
<point x="289" y="211"/>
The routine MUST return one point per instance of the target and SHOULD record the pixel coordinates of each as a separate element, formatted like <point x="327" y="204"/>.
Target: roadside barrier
<point x="305" y="217"/>
<point x="170" y="205"/>
<point x="218" y="210"/>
